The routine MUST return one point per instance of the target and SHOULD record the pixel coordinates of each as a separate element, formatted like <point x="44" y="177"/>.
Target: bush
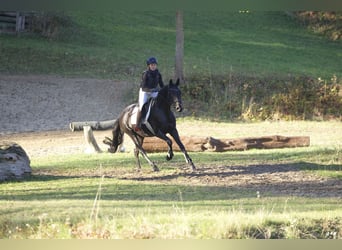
<point x="49" y="24"/>
<point x="327" y="23"/>
<point x="271" y="98"/>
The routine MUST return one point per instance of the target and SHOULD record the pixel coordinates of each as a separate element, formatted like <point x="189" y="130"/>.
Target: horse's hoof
<point x="155" y="169"/>
<point x="169" y="157"/>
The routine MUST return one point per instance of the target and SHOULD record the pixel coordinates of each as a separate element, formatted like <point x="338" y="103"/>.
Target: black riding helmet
<point x="151" y="60"/>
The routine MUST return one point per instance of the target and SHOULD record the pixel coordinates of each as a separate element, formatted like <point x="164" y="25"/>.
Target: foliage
<point x="268" y="98"/>
<point x="49" y="24"/>
<point x="308" y="98"/>
<point x="327" y="23"/>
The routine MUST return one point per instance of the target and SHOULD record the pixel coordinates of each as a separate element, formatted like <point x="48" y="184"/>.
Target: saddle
<point x="145" y="114"/>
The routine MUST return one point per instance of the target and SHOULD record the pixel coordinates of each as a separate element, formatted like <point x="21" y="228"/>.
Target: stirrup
<point x="149" y="127"/>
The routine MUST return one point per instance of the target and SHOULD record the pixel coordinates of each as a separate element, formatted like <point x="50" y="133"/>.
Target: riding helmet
<point x="151" y="60"/>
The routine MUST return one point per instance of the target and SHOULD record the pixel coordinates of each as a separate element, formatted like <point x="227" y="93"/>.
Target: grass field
<point x="102" y="196"/>
<point x="116" y="45"/>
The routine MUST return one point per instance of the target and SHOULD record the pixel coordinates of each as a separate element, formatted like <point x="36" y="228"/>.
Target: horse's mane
<point x="163" y="91"/>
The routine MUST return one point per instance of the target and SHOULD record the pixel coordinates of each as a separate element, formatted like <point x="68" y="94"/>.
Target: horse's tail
<point x="117" y="138"/>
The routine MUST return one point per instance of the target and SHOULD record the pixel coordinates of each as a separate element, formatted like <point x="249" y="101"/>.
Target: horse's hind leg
<point x="153" y="165"/>
<point x="138" y="141"/>
<point x="136" y="154"/>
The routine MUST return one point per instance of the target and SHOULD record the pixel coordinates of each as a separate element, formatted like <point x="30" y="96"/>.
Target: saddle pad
<point x="134" y="116"/>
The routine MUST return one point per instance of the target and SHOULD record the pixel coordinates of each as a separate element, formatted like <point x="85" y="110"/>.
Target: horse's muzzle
<point x="179" y="107"/>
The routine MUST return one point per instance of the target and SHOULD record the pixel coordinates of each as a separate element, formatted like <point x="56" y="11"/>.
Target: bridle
<point x="176" y="101"/>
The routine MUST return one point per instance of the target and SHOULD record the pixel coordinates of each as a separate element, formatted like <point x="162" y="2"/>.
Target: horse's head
<point x="174" y="95"/>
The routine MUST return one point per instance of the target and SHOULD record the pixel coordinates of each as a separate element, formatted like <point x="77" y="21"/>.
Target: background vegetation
<point x="250" y="65"/>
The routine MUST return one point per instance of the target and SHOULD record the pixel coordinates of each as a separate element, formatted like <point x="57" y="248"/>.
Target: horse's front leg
<point x="162" y="136"/>
<point x="175" y="135"/>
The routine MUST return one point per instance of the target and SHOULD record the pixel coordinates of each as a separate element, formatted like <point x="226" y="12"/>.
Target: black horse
<point x="161" y="121"/>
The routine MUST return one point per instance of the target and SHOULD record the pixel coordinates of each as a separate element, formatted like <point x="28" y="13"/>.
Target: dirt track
<point x="36" y="111"/>
<point x="36" y="103"/>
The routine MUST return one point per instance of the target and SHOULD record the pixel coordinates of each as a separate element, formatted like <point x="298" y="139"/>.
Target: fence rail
<point x="14" y="21"/>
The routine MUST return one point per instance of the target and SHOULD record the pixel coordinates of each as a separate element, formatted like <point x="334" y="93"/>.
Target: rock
<point x="14" y="162"/>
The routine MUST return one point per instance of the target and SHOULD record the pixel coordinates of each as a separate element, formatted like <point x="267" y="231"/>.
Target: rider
<point x="151" y="78"/>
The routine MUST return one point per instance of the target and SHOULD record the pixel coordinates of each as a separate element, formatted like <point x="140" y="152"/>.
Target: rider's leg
<point x="143" y="96"/>
<point x="147" y="110"/>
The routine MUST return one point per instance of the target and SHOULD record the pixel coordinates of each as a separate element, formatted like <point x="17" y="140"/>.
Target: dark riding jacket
<point x="150" y="80"/>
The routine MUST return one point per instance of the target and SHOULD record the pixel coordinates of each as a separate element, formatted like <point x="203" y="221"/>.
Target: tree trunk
<point x="200" y="144"/>
<point x="179" y="73"/>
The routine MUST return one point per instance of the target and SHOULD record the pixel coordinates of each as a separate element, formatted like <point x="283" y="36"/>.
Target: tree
<point x="179" y="73"/>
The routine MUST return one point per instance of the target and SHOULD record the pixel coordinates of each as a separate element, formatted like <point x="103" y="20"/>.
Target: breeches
<point x="144" y="96"/>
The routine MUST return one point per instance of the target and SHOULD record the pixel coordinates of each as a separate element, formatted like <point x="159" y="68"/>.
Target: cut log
<point x="92" y="146"/>
<point x="95" y="125"/>
<point x="265" y="142"/>
<point x="200" y="144"/>
<point x="194" y="144"/>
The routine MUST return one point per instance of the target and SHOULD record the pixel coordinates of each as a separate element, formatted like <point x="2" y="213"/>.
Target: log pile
<point x="201" y="144"/>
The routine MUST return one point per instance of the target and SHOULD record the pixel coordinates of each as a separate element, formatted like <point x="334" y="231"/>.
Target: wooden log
<point x="95" y="125"/>
<point x="91" y="144"/>
<point x="265" y="142"/>
<point x="192" y="144"/>
<point x="200" y="144"/>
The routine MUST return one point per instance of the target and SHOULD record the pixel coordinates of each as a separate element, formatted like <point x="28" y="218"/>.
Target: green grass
<point x="116" y="45"/>
<point x="102" y="196"/>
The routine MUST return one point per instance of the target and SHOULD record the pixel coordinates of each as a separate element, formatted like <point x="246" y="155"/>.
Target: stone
<point x="14" y="162"/>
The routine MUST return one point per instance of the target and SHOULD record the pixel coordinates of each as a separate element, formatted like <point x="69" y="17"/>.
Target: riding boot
<point x="139" y="117"/>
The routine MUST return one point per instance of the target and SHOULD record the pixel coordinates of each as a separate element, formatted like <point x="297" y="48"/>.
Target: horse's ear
<point x="177" y="83"/>
<point x="170" y="82"/>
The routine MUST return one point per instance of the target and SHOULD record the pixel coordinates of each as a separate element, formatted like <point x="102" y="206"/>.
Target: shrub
<point x="250" y="98"/>
<point x="49" y="24"/>
<point x="326" y="23"/>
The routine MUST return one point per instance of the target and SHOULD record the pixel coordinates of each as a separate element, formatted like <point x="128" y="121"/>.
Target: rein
<point x="167" y="99"/>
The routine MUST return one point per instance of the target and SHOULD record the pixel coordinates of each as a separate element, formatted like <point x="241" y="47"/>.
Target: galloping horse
<point x="161" y="121"/>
